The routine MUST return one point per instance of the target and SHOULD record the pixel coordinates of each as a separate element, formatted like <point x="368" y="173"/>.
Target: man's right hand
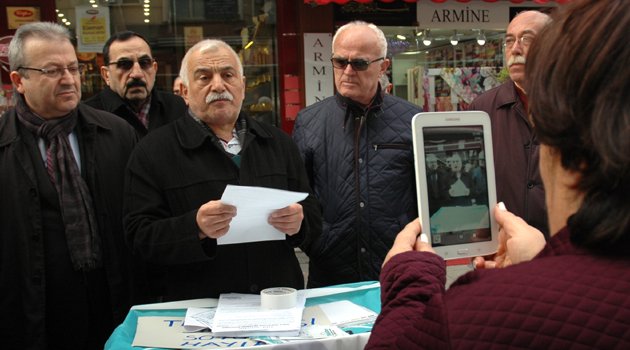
<point x="213" y="219"/>
<point x="518" y="241"/>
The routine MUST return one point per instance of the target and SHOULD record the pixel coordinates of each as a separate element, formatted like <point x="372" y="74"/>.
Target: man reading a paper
<point x="177" y="175"/>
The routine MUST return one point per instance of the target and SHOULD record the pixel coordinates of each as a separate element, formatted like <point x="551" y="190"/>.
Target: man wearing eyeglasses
<point x="357" y="147"/>
<point x="518" y="180"/>
<point x="64" y="268"/>
<point x="129" y="72"/>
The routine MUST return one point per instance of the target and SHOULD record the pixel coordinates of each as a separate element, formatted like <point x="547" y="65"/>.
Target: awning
<point x="342" y="2"/>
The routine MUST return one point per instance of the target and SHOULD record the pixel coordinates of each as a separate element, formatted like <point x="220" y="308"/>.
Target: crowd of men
<point x="116" y="200"/>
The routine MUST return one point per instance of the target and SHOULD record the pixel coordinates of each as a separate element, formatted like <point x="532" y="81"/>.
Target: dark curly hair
<point x="578" y="76"/>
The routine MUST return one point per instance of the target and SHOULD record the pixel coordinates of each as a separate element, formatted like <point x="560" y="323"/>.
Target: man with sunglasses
<point x="357" y="147"/>
<point x="64" y="268"/>
<point x="129" y="72"/>
<point x="518" y="180"/>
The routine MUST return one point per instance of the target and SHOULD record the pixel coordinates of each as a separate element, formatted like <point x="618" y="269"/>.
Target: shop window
<point x="172" y="26"/>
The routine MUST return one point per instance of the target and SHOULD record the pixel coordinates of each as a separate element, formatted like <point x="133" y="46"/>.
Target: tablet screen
<point x="457" y="184"/>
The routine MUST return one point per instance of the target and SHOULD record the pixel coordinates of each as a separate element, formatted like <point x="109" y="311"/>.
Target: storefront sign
<point x="470" y="15"/>
<point x="92" y="28"/>
<point x="318" y="71"/>
<point x="18" y="15"/>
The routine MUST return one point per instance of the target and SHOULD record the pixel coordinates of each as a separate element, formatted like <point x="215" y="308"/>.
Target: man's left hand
<point x="288" y="219"/>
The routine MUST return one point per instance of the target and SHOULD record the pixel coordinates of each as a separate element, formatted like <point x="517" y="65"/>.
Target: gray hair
<point x="40" y="30"/>
<point x="203" y="46"/>
<point x="381" y="42"/>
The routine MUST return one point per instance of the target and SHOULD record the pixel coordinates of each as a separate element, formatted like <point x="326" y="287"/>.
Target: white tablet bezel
<point x="447" y="119"/>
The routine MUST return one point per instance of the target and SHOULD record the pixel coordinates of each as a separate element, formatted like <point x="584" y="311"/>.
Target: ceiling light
<point x="60" y="14"/>
<point x="454" y="39"/>
<point x="426" y="38"/>
<point x="481" y="38"/>
<point x="401" y="37"/>
<point x="146" y="20"/>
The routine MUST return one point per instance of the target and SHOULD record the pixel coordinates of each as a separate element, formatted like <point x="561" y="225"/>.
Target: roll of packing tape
<point x="278" y="298"/>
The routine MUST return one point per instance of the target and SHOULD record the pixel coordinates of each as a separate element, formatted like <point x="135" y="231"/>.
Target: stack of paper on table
<point x="240" y="315"/>
<point x="341" y="313"/>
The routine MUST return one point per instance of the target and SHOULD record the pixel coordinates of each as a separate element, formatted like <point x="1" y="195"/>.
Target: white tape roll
<point x="278" y="298"/>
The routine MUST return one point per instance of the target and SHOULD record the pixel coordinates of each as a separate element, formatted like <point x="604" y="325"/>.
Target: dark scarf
<point x="74" y="196"/>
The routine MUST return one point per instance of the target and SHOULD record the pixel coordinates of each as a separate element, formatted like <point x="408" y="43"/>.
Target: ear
<point x="155" y="65"/>
<point x="244" y="86"/>
<point x="105" y="74"/>
<point x="384" y="65"/>
<point x="16" y="79"/>
<point x="184" y="91"/>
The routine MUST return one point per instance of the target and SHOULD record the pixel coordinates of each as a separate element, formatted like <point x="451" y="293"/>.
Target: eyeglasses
<point x="58" y="72"/>
<point x="525" y="41"/>
<point x="126" y="64"/>
<point x="358" y="65"/>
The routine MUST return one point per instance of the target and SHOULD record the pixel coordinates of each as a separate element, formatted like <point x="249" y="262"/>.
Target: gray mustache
<point x="222" y="96"/>
<point x="516" y="60"/>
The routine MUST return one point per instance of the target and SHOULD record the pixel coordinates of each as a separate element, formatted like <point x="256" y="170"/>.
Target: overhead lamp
<point x="426" y="38"/>
<point x="401" y="37"/>
<point x="481" y="38"/>
<point x="454" y="39"/>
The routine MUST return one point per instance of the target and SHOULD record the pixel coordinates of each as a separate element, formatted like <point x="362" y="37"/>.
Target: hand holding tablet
<point x="455" y="182"/>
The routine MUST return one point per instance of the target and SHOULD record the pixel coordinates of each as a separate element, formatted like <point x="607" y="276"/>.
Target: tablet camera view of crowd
<point x="456" y="181"/>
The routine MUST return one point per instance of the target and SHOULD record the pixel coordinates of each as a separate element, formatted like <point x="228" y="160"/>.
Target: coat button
<point x="530" y="185"/>
<point x="254" y="288"/>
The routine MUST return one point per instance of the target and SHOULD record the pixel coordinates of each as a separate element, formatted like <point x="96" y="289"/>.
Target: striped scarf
<point x="74" y="196"/>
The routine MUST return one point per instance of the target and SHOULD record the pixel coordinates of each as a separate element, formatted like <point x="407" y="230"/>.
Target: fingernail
<point x="424" y="238"/>
<point x="502" y="206"/>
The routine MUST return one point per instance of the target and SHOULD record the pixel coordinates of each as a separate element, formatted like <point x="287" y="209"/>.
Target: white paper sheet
<point x="198" y="319"/>
<point x="240" y="315"/>
<point x="253" y="206"/>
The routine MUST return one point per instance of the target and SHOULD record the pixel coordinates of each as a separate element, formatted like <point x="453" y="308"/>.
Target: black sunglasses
<point x="126" y="64"/>
<point x="357" y="65"/>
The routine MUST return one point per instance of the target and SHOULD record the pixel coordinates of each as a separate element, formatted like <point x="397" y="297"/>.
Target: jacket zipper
<point x="377" y="146"/>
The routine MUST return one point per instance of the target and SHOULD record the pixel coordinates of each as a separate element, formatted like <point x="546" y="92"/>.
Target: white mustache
<point x="516" y="60"/>
<point x="222" y="96"/>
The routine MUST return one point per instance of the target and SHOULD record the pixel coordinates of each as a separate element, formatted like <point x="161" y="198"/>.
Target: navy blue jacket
<point x="360" y="165"/>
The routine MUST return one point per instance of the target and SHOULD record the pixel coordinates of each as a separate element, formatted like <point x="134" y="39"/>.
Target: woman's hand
<point x="410" y="238"/>
<point x="518" y="241"/>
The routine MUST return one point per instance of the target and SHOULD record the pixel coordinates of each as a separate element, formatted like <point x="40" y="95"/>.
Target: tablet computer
<point x="455" y="182"/>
